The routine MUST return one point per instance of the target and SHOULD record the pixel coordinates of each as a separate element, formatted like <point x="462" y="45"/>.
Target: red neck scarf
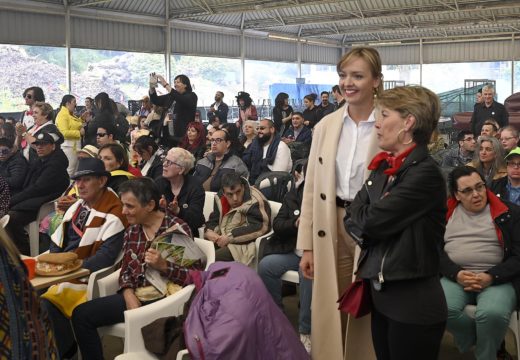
<point x="395" y="162"/>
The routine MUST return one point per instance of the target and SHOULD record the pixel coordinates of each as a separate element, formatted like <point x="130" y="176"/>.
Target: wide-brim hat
<point x="46" y="138"/>
<point x="90" y="167"/>
<point x="90" y="150"/>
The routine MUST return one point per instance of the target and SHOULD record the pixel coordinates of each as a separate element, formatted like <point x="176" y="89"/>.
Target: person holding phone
<point x="184" y="102"/>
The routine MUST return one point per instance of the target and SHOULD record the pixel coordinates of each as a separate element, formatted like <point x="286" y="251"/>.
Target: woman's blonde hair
<point x="498" y="163"/>
<point x="371" y="57"/>
<point x="414" y="100"/>
<point x="253" y="123"/>
<point x="183" y="157"/>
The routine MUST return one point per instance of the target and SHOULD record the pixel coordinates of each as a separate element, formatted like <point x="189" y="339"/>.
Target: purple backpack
<point x="234" y="317"/>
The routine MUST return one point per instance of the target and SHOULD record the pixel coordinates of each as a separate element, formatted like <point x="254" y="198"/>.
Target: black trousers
<point x="394" y="340"/>
<point x="15" y="229"/>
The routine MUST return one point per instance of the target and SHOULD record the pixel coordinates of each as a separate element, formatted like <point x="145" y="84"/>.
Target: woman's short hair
<point x="414" y="100"/>
<point x="371" y="57"/>
<point x="144" y="142"/>
<point x="253" y="123"/>
<point x="144" y="189"/>
<point x="459" y="172"/>
<point x="311" y="97"/>
<point x="66" y="99"/>
<point x="45" y="108"/>
<point x="119" y="153"/>
<point x="183" y="157"/>
<point x="185" y="80"/>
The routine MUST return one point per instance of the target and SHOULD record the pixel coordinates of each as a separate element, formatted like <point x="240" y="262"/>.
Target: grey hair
<point x="251" y="122"/>
<point x="488" y="87"/>
<point x="498" y="163"/>
<point x="184" y="158"/>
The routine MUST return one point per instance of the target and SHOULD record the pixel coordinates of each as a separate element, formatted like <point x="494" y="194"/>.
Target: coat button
<point x="322" y="196"/>
<point x="369" y="182"/>
<point x="321" y="233"/>
<point x="320" y="159"/>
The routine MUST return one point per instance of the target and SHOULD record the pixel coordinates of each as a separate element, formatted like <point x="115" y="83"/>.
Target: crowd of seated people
<point x="37" y="158"/>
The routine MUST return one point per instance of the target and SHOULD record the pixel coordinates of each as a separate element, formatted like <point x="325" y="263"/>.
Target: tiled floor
<point x="114" y="346"/>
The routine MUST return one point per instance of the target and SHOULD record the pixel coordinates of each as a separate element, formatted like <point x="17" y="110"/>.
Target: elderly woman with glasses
<point x="489" y="159"/>
<point x="480" y="263"/>
<point x="397" y="218"/>
<point x="182" y="193"/>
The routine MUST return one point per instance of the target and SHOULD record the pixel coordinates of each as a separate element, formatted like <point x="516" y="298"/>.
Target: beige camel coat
<point x="320" y="225"/>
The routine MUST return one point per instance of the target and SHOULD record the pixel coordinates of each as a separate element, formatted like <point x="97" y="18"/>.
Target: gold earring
<point x="399" y="139"/>
<point x="375" y="93"/>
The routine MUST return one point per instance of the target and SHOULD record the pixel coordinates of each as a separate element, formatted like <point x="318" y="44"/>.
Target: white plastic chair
<point x="4" y="221"/>
<point x="33" y="229"/>
<point x="514" y="324"/>
<point x="275" y="208"/>
<point x="135" y="319"/>
<point x="209" y="202"/>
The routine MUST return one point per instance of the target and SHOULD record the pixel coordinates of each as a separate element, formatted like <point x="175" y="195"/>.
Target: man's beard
<point x="264" y="139"/>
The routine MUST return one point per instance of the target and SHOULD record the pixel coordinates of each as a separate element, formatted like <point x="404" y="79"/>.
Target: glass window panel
<point x="26" y="66"/>
<point x="410" y="74"/>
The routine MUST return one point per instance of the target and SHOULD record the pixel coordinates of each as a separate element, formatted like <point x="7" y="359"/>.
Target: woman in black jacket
<point x="13" y="166"/>
<point x="397" y="218"/>
<point x="150" y="156"/>
<point x="182" y="193"/>
<point x="185" y="104"/>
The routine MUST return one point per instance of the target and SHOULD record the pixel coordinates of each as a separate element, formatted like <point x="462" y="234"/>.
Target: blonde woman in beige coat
<point x="343" y="144"/>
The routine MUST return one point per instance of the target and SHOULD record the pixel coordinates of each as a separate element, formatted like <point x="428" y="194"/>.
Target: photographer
<point x="184" y="102"/>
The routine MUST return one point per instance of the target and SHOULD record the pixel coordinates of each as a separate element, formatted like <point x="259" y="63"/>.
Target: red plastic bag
<point x="356" y="300"/>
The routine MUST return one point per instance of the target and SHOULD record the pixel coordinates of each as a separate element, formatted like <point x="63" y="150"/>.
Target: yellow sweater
<point x="69" y="125"/>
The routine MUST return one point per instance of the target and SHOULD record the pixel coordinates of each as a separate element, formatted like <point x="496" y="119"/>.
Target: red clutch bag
<point x="356" y="299"/>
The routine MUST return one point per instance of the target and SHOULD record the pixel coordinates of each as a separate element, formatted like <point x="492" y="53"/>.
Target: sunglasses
<point x="28" y="96"/>
<point x="101" y="134"/>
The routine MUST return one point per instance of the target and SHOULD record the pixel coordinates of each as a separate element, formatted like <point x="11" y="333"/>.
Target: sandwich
<point x="55" y="264"/>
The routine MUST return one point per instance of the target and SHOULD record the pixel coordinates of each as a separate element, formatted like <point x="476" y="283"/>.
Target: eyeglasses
<point x="507" y="138"/>
<point x="28" y="96"/>
<point x="261" y="127"/>
<point x="216" y="141"/>
<point x="469" y="190"/>
<point x="101" y="134"/>
<point x="168" y="162"/>
<point x="514" y="165"/>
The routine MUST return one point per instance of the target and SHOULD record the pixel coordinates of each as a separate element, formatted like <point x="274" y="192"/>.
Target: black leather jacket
<point x="403" y="223"/>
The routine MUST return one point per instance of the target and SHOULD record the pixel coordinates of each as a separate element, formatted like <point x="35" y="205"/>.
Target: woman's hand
<point x="132" y="302"/>
<point x="153" y="258"/>
<point x="307" y="264"/>
<point x="20" y="129"/>
<point x="174" y="206"/>
<point x="467" y="279"/>
<point x="222" y="241"/>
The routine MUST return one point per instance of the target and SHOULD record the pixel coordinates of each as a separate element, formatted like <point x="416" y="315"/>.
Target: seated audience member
<point x="509" y="138"/>
<point x="489" y="159"/>
<point x="13" y="166"/>
<point x="233" y="134"/>
<point x="106" y="135"/>
<point x="280" y="256"/>
<point x="26" y="331"/>
<point x="210" y="129"/>
<point x="210" y="169"/>
<point x="239" y="217"/>
<point x="46" y="179"/>
<point x="195" y="140"/>
<point x="297" y="132"/>
<point x="146" y="107"/>
<point x="267" y="152"/>
<point x="72" y="129"/>
<point x="88" y="151"/>
<point x="508" y="187"/>
<point x="489" y="128"/>
<point x="183" y="194"/>
<point x="249" y="133"/>
<point x="140" y="199"/>
<point x="93" y="227"/>
<point x="115" y="159"/>
<point x="480" y="263"/>
<point x="150" y="156"/>
<point x="436" y="143"/>
<point x="463" y="154"/>
<point x="42" y="113"/>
